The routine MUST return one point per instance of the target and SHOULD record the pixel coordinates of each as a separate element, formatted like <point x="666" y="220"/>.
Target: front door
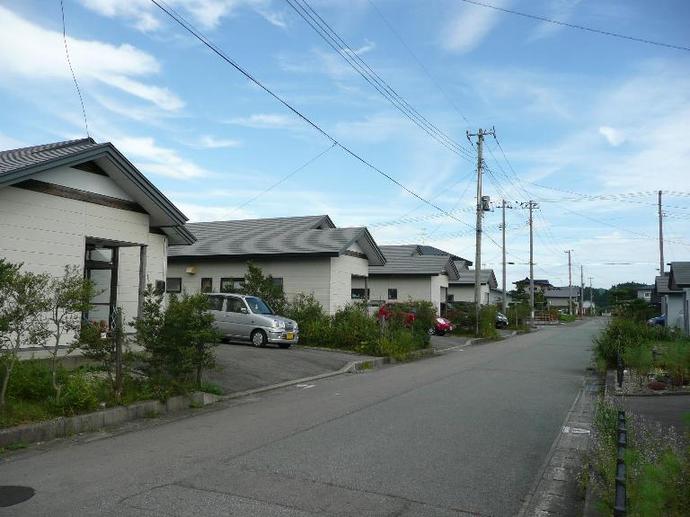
<point x="101" y="268"/>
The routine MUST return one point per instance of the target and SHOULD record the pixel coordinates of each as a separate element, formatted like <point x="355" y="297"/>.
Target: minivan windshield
<point x="258" y="306"/>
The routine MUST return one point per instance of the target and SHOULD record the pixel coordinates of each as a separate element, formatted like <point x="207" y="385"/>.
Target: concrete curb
<point x="89" y="422"/>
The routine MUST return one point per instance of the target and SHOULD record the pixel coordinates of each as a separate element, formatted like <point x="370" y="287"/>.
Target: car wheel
<point x="285" y="345"/>
<point x="442" y="333"/>
<point x="259" y="338"/>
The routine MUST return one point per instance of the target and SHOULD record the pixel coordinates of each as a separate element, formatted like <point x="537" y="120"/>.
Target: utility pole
<point x="661" y="238"/>
<point x="480" y="134"/>
<point x="503" y="227"/>
<point x="570" y="283"/>
<point x="582" y="292"/>
<point x="591" y="298"/>
<point x="532" y="205"/>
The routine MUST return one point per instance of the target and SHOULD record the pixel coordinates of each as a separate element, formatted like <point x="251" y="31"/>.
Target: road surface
<point x="463" y="433"/>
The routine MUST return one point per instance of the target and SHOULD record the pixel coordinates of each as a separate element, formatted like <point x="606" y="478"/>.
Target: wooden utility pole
<point x="504" y="305"/>
<point x="591" y="298"/>
<point x="531" y="261"/>
<point x="582" y="292"/>
<point x="661" y="238"/>
<point x="480" y="134"/>
<point x="570" y="282"/>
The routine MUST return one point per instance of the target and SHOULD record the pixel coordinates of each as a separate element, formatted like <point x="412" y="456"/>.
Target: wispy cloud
<point x="145" y="16"/>
<point x="161" y="161"/>
<point x="561" y="10"/>
<point x="264" y="121"/>
<point x="37" y="53"/>
<point x="211" y="142"/>
<point x="468" y="25"/>
<point x="612" y="135"/>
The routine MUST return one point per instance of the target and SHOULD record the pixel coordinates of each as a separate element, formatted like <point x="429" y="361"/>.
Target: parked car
<point x="441" y="327"/>
<point x="248" y="318"/>
<point x="501" y="320"/>
<point x="657" y="321"/>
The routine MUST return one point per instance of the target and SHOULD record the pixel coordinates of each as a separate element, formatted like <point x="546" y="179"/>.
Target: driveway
<point x="244" y="367"/>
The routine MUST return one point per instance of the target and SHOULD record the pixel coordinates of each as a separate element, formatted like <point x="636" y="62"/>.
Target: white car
<point x="240" y="317"/>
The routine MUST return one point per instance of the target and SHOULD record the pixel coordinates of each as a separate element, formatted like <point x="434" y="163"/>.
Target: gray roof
<point x="680" y="274"/>
<point x="17" y="165"/>
<point x="406" y="260"/>
<point x="466" y="277"/>
<point x="562" y="292"/>
<point x="425" y="249"/>
<point x="645" y="287"/>
<point x="661" y="285"/>
<point x="537" y="281"/>
<point x="247" y="238"/>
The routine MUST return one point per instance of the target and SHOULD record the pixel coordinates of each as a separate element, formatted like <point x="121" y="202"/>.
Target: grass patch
<point x="209" y="387"/>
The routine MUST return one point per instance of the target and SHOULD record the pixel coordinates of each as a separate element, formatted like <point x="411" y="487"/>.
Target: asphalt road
<point x="243" y="367"/>
<point x="463" y="433"/>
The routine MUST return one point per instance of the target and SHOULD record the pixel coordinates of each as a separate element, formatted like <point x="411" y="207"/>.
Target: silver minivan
<point x="240" y="317"/>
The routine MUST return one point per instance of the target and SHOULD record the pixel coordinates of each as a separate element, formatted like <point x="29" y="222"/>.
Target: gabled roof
<point x="17" y="165"/>
<point x="406" y="260"/>
<point x="425" y="249"/>
<point x="562" y="292"/>
<point x="466" y="277"/>
<point x="293" y="236"/>
<point x="680" y="275"/>
<point x="661" y="285"/>
<point x="645" y="287"/>
<point x="536" y="281"/>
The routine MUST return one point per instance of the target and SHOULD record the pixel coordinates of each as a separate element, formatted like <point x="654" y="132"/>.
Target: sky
<point x="588" y="126"/>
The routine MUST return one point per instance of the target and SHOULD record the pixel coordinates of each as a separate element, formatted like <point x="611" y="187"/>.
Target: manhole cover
<point x="11" y="495"/>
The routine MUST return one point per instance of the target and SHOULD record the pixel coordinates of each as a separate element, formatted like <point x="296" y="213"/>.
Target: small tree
<point x="22" y="304"/>
<point x="257" y="284"/>
<point x="69" y="297"/>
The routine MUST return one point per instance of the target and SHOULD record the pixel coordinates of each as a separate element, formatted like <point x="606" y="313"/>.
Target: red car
<point x="440" y="328"/>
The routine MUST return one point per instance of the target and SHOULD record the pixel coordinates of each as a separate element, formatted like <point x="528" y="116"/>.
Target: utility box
<point x="486" y="203"/>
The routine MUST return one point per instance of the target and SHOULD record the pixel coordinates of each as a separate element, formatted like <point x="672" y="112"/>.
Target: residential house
<point x="540" y="285"/>
<point x="408" y="273"/>
<point x="462" y="289"/>
<point x="670" y="300"/>
<point x="558" y="297"/>
<point x="303" y="254"/>
<point x="644" y="292"/>
<point x="679" y="279"/>
<point x="84" y="204"/>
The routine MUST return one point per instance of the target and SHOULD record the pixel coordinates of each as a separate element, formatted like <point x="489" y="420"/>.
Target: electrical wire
<point x="579" y="27"/>
<point x="177" y="18"/>
<point x="71" y="69"/>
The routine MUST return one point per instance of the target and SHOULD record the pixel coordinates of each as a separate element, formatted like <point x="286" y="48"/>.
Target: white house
<point x="303" y="254"/>
<point x="670" y="300"/>
<point x="80" y="203"/>
<point x="410" y="274"/>
<point x="644" y="292"/>
<point x="559" y="297"/>
<point x="679" y="280"/>
<point x="462" y="289"/>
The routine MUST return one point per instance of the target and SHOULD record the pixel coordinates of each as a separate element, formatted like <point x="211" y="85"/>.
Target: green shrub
<point x="568" y="318"/>
<point x="487" y="322"/>
<point x="621" y="334"/>
<point x="398" y="344"/>
<point x="353" y="329"/>
<point x="639" y="358"/>
<point x="79" y="393"/>
<point x="32" y="380"/>
<point x="675" y="359"/>
<point x="314" y="324"/>
<point x="463" y="316"/>
<point x="209" y="387"/>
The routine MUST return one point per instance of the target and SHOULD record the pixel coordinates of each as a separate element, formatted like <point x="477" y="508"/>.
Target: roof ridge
<point x="51" y="146"/>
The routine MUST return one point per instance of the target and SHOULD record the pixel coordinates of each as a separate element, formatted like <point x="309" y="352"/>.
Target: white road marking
<point x="575" y="430"/>
<point x="305" y="386"/>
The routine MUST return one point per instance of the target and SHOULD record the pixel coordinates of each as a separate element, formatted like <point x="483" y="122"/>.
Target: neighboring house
<point x="558" y="297"/>
<point x="670" y="300"/>
<point x="462" y="289"/>
<point x="679" y="279"/>
<point x="496" y="297"/>
<point x="460" y="263"/>
<point x="79" y="203"/>
<point x="540" y="285"/>
<point x="645" y="292"/>
<point x="409" y="274"/>
<point x="303" y="254"/>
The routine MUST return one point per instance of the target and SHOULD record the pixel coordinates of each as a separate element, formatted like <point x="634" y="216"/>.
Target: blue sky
<point x="573" y="111"/>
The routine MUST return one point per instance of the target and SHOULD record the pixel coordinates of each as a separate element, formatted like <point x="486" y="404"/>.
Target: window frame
<point x="395" y="291"/>
<point x="167" y="284"/>
<point x="201" y="285"/>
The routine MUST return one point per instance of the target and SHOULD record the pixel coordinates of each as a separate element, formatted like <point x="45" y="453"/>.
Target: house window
<point x="227" y="285"/>
<point x="207" y="285"/>
<point x="277" y="281"/>
<point x="392" y="294"/>
<point x="450" y="298"/>
<point x="173" y="285"/>
<point x="359" y="293"/>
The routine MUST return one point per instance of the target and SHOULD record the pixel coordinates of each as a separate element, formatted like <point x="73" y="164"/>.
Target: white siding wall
<point x="47" y="232"/>
<point x="409" y="287"/>
<point x="308" y="275"/>
<point x="674" y="311"/>
<point x="342" y="269"/>
<point x="465" y="293"/>
<point x="82" y="180"/>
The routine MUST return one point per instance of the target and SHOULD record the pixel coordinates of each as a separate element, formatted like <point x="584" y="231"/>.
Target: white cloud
<point x="161" y="161"/>
<point x="9" y="142"/>
<point x="263" y="121"/>
<point x="38" y="53"/>
<point x="145" y="16"/>
<point x="613" y="136"/>
<point x="211" y="142"/>
<point x="197" y="213"/>
<point x="468" y="26"/>
<point x="561" y="10"/>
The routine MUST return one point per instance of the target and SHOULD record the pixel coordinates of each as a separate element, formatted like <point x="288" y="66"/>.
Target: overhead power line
<point x="579" y="27"/>
<point x="179" y="19"/>
<point x="342" y="48"/>
<point x="71" y="69"/>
